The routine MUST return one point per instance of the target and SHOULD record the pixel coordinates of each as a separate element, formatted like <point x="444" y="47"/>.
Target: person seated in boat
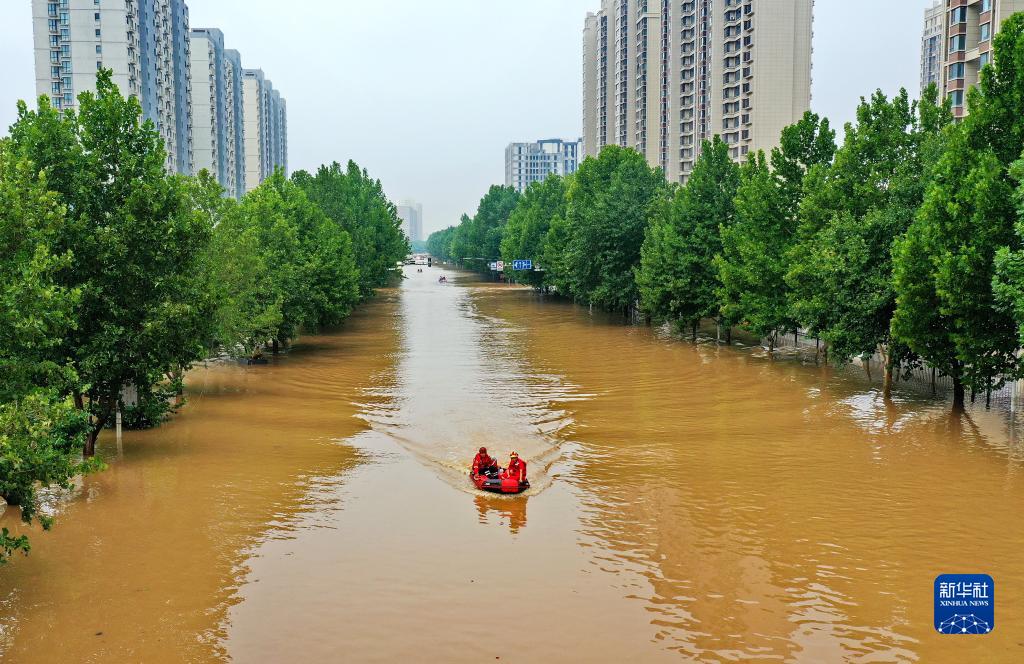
<point x="484" y="463"/>
<point x="516" y="468"/>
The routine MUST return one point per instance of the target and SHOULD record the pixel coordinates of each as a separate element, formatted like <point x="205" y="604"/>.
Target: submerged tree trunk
<point x="694" y="328"/>
<point x="276" y="346"/>
<point x="866" y="362"/>
<point x="887" y="361"/>
<point x="958" y="390"/>
<point x="728" y="335"/>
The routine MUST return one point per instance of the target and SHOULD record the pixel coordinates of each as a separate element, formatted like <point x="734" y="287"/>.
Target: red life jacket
<point x="481" y="461"/>
<point x="516" y="470"/>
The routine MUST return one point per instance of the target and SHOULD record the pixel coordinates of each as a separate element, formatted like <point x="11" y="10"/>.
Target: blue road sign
<point x="522" y="265"/>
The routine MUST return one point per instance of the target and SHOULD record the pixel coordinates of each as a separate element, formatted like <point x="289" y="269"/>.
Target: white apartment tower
<point x="526" y="163"/>
<point x="663" y="76"/>
<point x="144" y="42"/>
<point x="266" y="128"/>
<point x="217" y="128"/>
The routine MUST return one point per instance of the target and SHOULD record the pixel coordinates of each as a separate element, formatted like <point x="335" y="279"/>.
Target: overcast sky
<point x="426" y="95"/>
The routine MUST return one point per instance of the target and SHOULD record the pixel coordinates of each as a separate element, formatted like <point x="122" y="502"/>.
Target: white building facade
<point x="526" y="163"/>
<point x="266" y="128"/>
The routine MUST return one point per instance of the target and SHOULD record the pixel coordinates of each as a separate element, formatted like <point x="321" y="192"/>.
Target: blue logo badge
<point x="965" y="604"/>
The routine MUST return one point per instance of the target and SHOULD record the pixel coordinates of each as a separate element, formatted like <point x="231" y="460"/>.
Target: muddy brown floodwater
<point x="689" y="503"/>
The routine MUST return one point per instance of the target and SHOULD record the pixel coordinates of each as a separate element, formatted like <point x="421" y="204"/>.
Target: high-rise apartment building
<point x="217" y="129"/>
<point x="234" y="120"/>
<point x="970" y="26"/>
<point x="411" y="214"/>
<point x="209" y="103"/>
<point x="663" y="76"/>
<point x="266" y="128"/>
<point x="144" y="42"/>
<point x="932" y="45"/>
<point x="526" y="163"/>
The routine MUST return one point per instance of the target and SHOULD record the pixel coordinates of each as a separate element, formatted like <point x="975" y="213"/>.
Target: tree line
<point x="115" y="275"/>
<point x="906" y="239"/>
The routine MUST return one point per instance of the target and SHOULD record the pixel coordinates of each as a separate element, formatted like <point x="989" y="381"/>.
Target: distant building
<point x="411" y="214"/>
<point x="932" y="43"/>
<point x="526" y="163"/>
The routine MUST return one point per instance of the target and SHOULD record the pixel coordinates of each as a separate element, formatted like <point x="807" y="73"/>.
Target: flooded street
<point x="689" y="503"/>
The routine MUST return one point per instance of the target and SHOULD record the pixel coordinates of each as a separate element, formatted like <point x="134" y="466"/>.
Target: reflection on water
<point x="510" y="512"/>
<point x="690" y="503"/>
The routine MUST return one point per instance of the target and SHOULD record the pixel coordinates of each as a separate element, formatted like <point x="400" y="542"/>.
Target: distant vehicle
<point x="420" y="259"/>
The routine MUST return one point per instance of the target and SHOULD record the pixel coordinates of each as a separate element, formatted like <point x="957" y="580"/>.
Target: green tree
<point x="357" y="204"/>
<point x="1009" y="280"/>
<point x="606" y="214"/>
<point x="840" y="270"/>
<point x="947" y="308"/>
<point x="751" y="266"/>
<point x="753" y="262"/>
<point x="243" y="318"/>
<point x="529" y="223"/>
<point x="677" y="276"/>
<point x="137" y="245"/>
<point x="439" y="244"/>
<point x="40" y="433"/>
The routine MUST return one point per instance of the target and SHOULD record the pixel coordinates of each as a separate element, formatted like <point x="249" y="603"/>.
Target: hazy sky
<point x="426" y="95"/>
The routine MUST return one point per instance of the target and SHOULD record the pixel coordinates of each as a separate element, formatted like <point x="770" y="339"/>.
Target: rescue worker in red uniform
<point x="483" y="463"/>
<point x="516" y="468"/>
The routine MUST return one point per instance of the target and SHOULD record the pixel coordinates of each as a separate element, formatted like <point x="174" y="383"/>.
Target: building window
<point x="99" y="48"/>
<point x="97" y="33"/>
<point x="957" y="97"/>
<point x="957" y="43"/>
<point x="986" y="32"/>
<point x="985" y="59"/>
<point x="956" y="71"/>
<point x="958" y="15"/>
<point x="986" y="5"/>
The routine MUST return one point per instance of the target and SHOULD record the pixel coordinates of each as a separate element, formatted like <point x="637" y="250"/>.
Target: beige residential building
<point x="663" y="76"/>
<point x="970" y="26"/>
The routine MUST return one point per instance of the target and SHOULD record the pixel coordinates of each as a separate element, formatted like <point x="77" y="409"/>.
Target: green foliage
<point x="1008" y="285"/>
<point x="677" y="277"/>
<point x="244" y="317"/>
<point x="476" y="241"/>
<point x="40" y="435"/>
<point x="528" y="226"/>
<point x="606" y="214"/>
<point x="308" y="259"/>
<point x="751" y="265"/>
<point x="439" y="244"/>
<point x="35" y="310"/>
<point x="357" y="204"/>
<point x="840" y="269"/>
<point x="952" y="308"/>
<point x="136" y="241"/>
<point x="753" y="262"/>
<point x="946" y="309"/>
